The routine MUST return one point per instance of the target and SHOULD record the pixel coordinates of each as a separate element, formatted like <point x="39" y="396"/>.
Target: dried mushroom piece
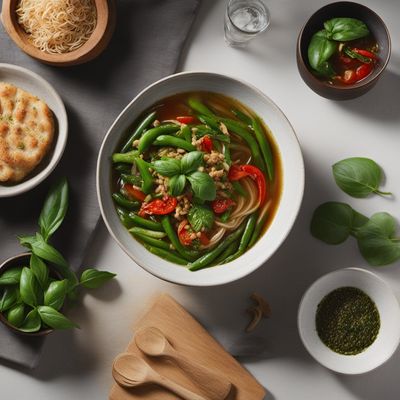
<point x="260" y="310"/>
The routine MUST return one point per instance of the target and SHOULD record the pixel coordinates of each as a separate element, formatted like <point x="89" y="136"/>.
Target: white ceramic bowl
<point x="389" y="333"/>
<point x="293" y="178"/>
<point x="36" y="85"/>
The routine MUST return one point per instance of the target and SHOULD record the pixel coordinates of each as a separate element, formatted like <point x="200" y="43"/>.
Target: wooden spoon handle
<point x="179" y="390"/>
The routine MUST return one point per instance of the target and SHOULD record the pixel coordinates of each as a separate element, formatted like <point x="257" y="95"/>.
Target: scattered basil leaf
<point x="359" y="219"/>
<point x="377" y="241"/>
<point x="344" y="29"/>
<point x="358" y="177"/>
<point x="16" y="315"/>
<point x="29" y="288"/>
<point x="54" y="319"/>
<point x="332" y="222"/>
<point x="201" y="217"/>
<point x="167" y="166"/>
<point x="190" y="162"/>
<point x="92" y="278"/>
<point x="177" y="184"/>
<point x="203" y="185"/>
<point x="32" y="322"/>
<point x="11" y="276"/>
<point x="55" y="294"/>
<point x="320" y="50"/>
<point x="40" y="270"/>
<point x="9" y="298"/>
<point x="54" y="209"/>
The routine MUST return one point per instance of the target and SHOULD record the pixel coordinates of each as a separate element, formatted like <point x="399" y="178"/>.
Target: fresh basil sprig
<point x="200" y="216"/>
<point x="345" y="29"/>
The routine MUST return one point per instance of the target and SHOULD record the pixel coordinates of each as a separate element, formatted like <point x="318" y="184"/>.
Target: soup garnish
<point x="198" y="179"/>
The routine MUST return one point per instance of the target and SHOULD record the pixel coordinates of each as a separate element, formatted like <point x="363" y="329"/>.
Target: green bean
<point x="242" y="116"/>
<point x="123" y="168"/>
<point x="147" y="184"/>
<point x="257" y="230"/>
<point x="205" y="260"/>
<point x="124" y="217"/>
<point x="264" y="146"/>
<point x="239" y="188"/>
<point x="147" y="232"/>
<point x="132" y="179"/>
<point x="186" y="133"/>
<point x="166" y="255"/>
<point x="209" y="121"/>
<point x="125" y="157"/>
<point x="153" y="242"/>
<point x="145" y="223"/>
<point x="199" y="107"/>
<point x="139" y="131"/>
<point x="149" y="136"/>
<point x="169" y="230"/>
<point x="227" y="154"/>
<point x="165" y="140"/>
<point x="227" y="252"/>
<point x="124" y="202"/>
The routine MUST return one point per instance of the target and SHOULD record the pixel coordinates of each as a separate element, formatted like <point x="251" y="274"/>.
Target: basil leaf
<point x="54" y="318"/>
<point x="11" y="276"/>
<point x="92" y="278"/>
<point x="359" y="220"/>
<point x="358" y="177"/>
<point x="27" y="240"/>
<point x="55" y="294"/>
<point x="190" y="162"/>
<point x="376" y="240"/>
<point x="167" y="166"/>
<point x="320" y="50"/>
<point x="344" y="29"/>
<point x="29" y="288"/>
<point x="54" y="209"/>
<point x="332" y="222"/>
<point x="9" y="298"/>
<point x="32" y="322"/>
<point x="40" y="270"/>
<point x="202" y="185"/>
<point x="200" y="217"/>
<point x="177" y="185"/>
<point x="16" y="315"/>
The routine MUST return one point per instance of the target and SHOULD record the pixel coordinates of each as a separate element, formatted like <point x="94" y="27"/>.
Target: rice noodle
<point x="57" y="26"/>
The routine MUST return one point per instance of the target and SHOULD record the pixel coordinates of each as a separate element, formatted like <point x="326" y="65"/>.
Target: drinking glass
<point x="244" y="20"/>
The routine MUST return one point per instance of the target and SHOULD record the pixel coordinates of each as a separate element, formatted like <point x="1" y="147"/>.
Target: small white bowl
<point x="36" y="85"/>
<point x="293" y="177"/>
<point x="389" y="333"/>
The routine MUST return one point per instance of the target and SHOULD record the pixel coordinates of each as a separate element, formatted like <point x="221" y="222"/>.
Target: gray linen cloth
<point x="146" y="45"/>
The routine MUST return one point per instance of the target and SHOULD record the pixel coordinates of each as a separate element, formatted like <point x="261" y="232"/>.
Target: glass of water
<point x="244" y="20"/>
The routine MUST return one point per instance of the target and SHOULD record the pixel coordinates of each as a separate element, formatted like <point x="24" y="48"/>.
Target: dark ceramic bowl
<point x="316" y="22"/>
<point x="17" y="261"/>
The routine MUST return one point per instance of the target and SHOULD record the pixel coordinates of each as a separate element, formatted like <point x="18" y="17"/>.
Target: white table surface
<point x="76" y="365"/>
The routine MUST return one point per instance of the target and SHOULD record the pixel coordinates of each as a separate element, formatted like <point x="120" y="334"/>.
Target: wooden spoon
<point x="153" y="343"/>
<point x="129" y="370"/>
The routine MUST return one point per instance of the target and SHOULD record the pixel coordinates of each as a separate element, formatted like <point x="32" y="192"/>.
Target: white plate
<point x="389" y="333"/>
<point x="36" y="85"/>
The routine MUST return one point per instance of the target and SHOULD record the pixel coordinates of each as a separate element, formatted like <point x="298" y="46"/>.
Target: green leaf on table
<point x="203" y="185"/>
<point x="201" y="217"/>
<point x="54" y="319"/>
<point x="167" y="166"/>
<point x="29" y="288"/>
<point x="54" y="209"/>
<point x="11" y="276"/>
<point x="176" y="185"/>
<point x="40" y="270"/>
<point x="32" y="322"/>
<point x="55" y="294"/>
<point x="190" y="162"/>
<point x="377" y="241"/>
<point x="93" y="278"/>
<point x="8" y="298"/>
<point x="320" y="50"/>
<point x="16" y="315"/>
<point x="332" y="222"/>
<point x="358" y="177"/>
<point x="344" y="29"/>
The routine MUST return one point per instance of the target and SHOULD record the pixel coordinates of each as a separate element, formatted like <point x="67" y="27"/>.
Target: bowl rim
<point x="204" y="281"/>
<point x="61" y="135"/>
<point x="300" y="313"/>
<point x="356" y="85"/>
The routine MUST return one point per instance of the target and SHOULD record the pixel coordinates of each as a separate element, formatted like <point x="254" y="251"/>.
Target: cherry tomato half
<point x="363" y="71"/>
<point x="206" y="144"/>
<point x="221" y="205"/>
<point x="159" y="206"/>
<point x="186" y="119"/>
<point x="134" y="192"/>
<point x="183" y="233"/>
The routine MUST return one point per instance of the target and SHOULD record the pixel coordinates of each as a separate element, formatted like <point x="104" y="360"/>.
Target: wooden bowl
<point x="97" y="42"/>
<point x="316" y="23"/>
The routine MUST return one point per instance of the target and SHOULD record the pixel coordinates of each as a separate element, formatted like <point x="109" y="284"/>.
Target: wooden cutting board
<point x="189" y="337"/>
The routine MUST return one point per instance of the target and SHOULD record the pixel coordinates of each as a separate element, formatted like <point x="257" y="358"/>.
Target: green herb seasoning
<point x="347" y="321"/>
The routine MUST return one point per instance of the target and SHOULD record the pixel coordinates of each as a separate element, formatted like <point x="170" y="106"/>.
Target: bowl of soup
<point x="200" y="179"/>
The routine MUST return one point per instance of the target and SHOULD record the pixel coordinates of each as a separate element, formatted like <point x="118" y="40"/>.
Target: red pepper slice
<point x="158" y="206"/>
<point x="206" y="144"/>
<point x="134" y="191"/>
<point x="221" y="205"/>
<point x="186" y="119"/>
<point x="183" y="234"/>
<point x="235" y="173"/>
<point x="362" y="71"/>
<point x="366" y="53"/>
<point x="204" y="240"/>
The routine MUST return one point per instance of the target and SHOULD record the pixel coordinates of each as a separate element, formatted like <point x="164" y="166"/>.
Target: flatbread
<point x="26" y="132"/>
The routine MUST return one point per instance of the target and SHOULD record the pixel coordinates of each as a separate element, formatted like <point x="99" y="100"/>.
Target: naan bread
<point x="26" y="132"/>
